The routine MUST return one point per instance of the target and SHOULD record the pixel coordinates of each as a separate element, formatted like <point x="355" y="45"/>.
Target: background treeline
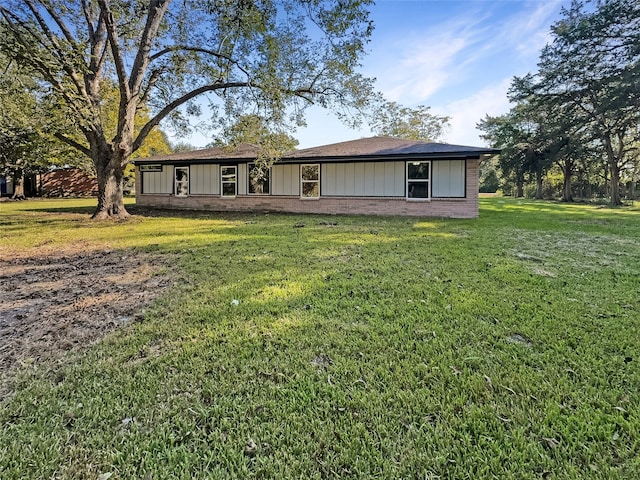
<point x="574" y="130"/>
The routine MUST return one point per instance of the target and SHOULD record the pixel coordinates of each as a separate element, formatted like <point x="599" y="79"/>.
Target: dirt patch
<point x="51" y="304"/>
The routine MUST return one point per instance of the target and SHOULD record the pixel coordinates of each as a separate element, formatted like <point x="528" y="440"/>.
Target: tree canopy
<point x="26" y="147"/>
<point x="585" y="96"/>
<point x="394" y="120"/>
<point x="273" y="57"/>
<point x="254" y="129"/>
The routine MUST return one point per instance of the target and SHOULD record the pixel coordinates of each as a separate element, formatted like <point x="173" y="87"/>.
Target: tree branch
<point x="181" y="101"/>
<point x="72" y="143"/>
<point x="187" y="48"/>
<point x="116" y="51"/>
<point x="157" y="10"/>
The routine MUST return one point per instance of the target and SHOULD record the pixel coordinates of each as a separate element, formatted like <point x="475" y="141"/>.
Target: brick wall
<point x="455" y="208"/>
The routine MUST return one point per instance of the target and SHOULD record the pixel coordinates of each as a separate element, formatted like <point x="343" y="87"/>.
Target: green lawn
<point x="347" y="347"/>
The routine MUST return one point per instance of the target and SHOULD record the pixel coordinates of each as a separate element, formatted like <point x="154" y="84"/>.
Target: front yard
<point x="282" y="346"/>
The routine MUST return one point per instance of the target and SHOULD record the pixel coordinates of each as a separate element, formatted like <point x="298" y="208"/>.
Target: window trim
<point x="176" y="181"/>
<point x="427" y="181"/>
<point x="249" y="165"/>
<point x="223" y="182"/>
<point x="303" y="181"/>
<point x="156" y="167"/>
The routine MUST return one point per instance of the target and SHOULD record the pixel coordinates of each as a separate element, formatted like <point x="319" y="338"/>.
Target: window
<point x="182" y="181"/>
<point x="310" y="181"/>
<point x="418" y="179"/>
<point x="228" y="175"/>
<point x="259" y="179"/>
<point x="150" y="168"/>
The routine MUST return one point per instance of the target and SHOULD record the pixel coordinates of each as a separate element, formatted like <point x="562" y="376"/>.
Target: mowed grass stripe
<point x="347" y="347"/>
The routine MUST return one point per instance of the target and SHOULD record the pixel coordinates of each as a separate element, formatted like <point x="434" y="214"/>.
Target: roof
<point x="372" y="148"/>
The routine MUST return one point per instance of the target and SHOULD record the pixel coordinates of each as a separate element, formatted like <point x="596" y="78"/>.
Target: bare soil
<point x="57" y="302"/>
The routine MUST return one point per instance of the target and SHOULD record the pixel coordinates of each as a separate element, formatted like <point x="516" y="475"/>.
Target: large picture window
<point x="228" y="176"/>
<point x="418" y="179"/>
<point x="259" y="180"/>
<point x="310" y="181"/>
<point x="182" y="181"/>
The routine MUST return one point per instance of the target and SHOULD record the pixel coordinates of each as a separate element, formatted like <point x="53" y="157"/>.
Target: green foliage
<point x="26" y="146"/>
<point x="583" y="101"/>
<point x="490" y="183"/>
<point x="393" y="120"/>
<point x="273" y="57"/>
<point x="360" y="347"/>
<point x="255" y="130"/>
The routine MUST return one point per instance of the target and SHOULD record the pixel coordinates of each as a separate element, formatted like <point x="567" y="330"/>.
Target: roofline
<point x="459" y="155"/>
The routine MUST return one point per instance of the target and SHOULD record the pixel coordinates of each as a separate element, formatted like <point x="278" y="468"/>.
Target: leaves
<point x="392" y="119"/>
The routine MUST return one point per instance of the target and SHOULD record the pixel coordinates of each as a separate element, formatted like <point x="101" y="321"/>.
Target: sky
<point x="456" y="56"/>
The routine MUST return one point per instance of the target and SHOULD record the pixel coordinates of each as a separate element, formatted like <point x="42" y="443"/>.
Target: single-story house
<point x="377" y="176"/>
<point x="68" y="181"/>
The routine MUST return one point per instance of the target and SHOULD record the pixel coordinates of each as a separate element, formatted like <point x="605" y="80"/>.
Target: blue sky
<point x="456" y="56"/>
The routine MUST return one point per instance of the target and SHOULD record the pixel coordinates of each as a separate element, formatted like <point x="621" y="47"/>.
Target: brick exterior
<point x="454" y="208"/>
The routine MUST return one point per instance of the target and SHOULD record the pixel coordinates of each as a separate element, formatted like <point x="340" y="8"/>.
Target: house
<point x="57" y="182"/>
<point x="377" y="176"/>
<point x="68" y="181"/>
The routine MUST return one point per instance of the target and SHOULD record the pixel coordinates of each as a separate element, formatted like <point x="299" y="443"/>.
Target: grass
<point x="347" y="347"/>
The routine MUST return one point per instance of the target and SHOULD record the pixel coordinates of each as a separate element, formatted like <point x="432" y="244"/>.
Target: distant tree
<point x="393" y="120"/>
<point x="275" y="55"/>
<point x="256" y="130"/>
<point x="182" y="147"/>
<point x="25" y="146"/>
<point x="506" y="133"/>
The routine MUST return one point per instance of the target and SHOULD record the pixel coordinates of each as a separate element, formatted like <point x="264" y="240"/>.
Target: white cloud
<point x="450" y="55"/>
<point x="467" y="112"/>
<point x="425" y="62"/>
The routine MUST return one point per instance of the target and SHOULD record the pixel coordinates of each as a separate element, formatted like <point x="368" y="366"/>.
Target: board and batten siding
<point x="448" y="179"/>
<point x="285" y="180"/>
<point x="204" y="179"/>
<point x="359" y="179"/>
<point x="242" y="179"/>
<point x="158" y="182"/>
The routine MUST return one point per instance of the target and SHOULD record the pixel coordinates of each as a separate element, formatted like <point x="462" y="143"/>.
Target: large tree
<point x="276" y="56"/>
<point x="589" y="74"/>
<point x="394" y="120"/>
<point x="25" y="146"/>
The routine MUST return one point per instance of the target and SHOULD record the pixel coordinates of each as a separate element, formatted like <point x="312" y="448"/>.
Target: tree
<point x="276" y="56"/>
<point x="392" y="119"/>
<point x="589" y="74"/>
<point x="26" y="148"/>
<point x="254" y="129"/>
<point x="506" y="133"/>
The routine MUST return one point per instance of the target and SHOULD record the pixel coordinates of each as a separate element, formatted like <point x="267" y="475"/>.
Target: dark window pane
<point x="418" y="190"/>
<point x="310" y="189"/>
<point x="418" y="171"/>
<point x="182" y="188"/>
<point x="181" y="174"/>
<point x="258" y="180"/>
<point x="228" y="189"/>
<point x="310" y="172"/>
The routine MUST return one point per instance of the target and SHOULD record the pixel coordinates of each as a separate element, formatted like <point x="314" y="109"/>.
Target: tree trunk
<point x="18" y="188"/>
<point x="614" y="170"/>
<point x="519" y="189"/>
<point x="567" y="175"/>
<point x="539" y="178"/>
<point x="110" y="192"/>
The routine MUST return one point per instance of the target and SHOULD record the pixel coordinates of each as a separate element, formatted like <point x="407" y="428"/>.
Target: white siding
<point x="158" y="182"/>
<point x="448" y="178"/>
<point x="380" y="179"/>
<point x="285" y="180"/>
<point x="242" y="179"/>
<point x="205" y="180"/>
